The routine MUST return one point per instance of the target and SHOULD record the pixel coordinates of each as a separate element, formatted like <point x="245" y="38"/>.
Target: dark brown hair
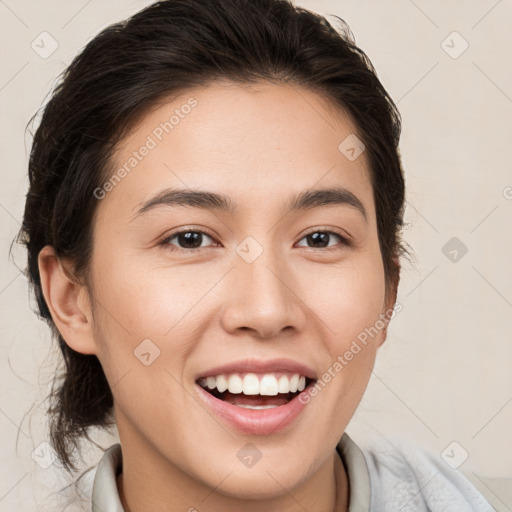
<point x="163" y="50"/>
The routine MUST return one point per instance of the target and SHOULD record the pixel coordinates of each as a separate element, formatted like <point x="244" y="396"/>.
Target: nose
<point x="263" y="298"/>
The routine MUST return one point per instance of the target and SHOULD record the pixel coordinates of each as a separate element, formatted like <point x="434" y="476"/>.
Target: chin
<point x="252" y="484"/>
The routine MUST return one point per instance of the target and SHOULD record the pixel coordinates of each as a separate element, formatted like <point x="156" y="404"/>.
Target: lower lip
<point x="252" y="421"/>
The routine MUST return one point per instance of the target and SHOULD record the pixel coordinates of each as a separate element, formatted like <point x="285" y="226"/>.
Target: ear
<point x="390" y="302"/>
<point x="68" y="302"/>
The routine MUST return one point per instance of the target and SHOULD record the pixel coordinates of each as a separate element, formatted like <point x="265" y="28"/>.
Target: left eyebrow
<point x="307" y="199"/>
<point x="314" y="198"/>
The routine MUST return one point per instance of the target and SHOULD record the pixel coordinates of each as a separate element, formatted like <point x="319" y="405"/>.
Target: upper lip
<point x="259" y="366"/>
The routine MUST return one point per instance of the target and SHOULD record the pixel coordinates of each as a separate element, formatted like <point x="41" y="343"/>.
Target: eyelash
<point x="345" y="242"/>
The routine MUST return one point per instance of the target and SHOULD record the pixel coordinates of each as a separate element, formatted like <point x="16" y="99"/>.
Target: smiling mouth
<point x="262" y="398"/>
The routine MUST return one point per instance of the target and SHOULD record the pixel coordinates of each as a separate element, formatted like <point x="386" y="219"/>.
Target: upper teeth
<point x="252" y="384"/>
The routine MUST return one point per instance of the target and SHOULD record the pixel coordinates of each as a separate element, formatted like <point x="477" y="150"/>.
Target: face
<point x="189" y="285"/>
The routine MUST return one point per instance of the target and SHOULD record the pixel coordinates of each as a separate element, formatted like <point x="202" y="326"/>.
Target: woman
<point x="214" y="214"/>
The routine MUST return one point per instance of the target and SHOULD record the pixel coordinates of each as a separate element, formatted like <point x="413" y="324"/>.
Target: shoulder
<point x="407" y="477"/>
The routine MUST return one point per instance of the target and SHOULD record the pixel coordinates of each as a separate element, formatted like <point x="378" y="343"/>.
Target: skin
<point x="259" y="145"/>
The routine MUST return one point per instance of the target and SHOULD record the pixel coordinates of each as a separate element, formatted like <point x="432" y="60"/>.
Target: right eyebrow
<point x="187" y="197"/>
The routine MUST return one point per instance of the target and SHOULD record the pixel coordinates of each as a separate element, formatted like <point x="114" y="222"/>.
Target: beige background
<point x="444" y="374"/>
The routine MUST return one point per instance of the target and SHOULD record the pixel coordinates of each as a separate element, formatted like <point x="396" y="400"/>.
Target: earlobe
<point x="67" y="301"/>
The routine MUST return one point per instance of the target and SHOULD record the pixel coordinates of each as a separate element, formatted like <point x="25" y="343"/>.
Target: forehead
<point x="257" y="142"/>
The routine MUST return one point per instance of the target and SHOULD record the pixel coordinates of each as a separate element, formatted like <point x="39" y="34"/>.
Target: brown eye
<point x="322" y="239"/>
<point x="187" y="239"/>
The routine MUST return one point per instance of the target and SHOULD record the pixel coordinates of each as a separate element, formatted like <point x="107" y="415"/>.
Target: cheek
<point x="138" y="300"/>
<point x="348" y="298"/>
<point x="144" y="299"/>
<point x="143" y="332"/>
<point x="349" y="302"/>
